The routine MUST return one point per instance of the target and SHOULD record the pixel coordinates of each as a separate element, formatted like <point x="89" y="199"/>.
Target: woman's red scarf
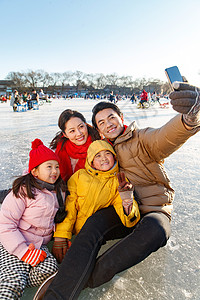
<point x="68" y="150"/>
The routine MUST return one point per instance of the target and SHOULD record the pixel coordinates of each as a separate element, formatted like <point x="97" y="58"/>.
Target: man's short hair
<point x="101" y="106"/>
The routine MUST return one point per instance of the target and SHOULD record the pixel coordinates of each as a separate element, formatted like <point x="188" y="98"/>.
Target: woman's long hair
<point x="65" y="116"/>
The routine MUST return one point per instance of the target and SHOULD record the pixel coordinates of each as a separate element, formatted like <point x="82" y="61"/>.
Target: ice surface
<point x="173" y="271"/>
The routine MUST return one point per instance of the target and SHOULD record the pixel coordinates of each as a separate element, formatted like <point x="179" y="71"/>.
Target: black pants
<point x="142" y="102"/>
<point x="80" y="267"/>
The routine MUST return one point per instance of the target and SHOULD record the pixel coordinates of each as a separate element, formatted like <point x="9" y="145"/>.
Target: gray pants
<point x="15" y="274"/>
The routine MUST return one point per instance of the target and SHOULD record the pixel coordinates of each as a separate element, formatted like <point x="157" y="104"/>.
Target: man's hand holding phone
<point x="185" y="98"/>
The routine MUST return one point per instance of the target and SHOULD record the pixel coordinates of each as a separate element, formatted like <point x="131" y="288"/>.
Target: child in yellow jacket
<point x="92" y="189"/>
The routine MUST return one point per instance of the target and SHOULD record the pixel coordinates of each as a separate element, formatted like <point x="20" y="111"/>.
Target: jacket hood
<point x="93" y="149"/>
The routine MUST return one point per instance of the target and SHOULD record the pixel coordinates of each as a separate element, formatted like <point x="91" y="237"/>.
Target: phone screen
<point x="173" y="74"/>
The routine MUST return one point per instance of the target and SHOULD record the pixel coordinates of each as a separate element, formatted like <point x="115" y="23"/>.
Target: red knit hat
<point x="39" y="154"/>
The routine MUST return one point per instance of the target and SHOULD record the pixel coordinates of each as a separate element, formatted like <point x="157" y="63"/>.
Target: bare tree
<point x="112" y="79"/>
<point x="67" y="77"/>
<point x="56" y="78"/>
<point x="45" y="78"/>
<point x="154" y="84"/>
<point x="33" y="78"/>
<point x="79" y="78"/>
<point x="90" y="78"/>
<point x="18" y="79"/>
<point x="100" y="81"/>
<point x="125" y="81"/>
<point x="139" y="84"/>
<point x="78" y="75"/>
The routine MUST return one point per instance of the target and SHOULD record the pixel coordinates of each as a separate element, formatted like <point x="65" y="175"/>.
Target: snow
<point x="173" y="271"/>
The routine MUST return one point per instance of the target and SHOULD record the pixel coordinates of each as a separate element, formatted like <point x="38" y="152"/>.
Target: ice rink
<point x="173" y="271"/>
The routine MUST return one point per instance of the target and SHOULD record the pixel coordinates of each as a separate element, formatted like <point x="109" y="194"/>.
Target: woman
<point x="15" y="99"/>
<point x="72" y="142"/>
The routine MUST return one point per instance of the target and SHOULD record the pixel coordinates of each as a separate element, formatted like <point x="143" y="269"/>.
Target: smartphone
<point x="173" y="74"/>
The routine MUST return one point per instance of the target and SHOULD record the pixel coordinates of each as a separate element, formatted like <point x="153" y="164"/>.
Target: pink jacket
<point x="24" y="221"/>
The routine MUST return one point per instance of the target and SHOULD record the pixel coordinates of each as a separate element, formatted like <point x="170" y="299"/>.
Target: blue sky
<point x="138" y="38"/>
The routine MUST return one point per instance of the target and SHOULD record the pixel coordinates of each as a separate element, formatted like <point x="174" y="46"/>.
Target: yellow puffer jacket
<point x="91" y="190"/>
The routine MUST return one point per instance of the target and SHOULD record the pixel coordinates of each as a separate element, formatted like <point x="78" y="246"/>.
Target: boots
<point x="44" y="286"/>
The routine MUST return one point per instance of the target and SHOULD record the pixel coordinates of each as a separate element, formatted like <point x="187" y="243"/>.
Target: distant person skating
<point x="155" y="97"/>
<point x="143" y="98"/>
<point x="112" y="97"/>
<point x="34" y="99"/>
<point x="42" y="95"/>
<point x="15" y="100"/>
<point x="133" y="100"/>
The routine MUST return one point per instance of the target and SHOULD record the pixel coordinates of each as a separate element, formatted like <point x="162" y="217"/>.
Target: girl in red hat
<point x="27" y="219"/>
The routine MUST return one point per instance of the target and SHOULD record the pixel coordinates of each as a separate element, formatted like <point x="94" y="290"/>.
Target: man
<point x="144" y="98"/>
<point x="140" y="153"/>
<point x="112" y="97"/>
<point x="34" y="99"/>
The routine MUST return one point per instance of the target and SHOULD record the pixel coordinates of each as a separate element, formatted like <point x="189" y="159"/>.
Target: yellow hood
<point x="93" y="149"/>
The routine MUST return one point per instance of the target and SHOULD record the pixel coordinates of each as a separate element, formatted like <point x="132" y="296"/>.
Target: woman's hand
<point x="60" y="248"/>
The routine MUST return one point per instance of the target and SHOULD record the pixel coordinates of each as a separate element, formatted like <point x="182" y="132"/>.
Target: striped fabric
<point x="34" y="257"/>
